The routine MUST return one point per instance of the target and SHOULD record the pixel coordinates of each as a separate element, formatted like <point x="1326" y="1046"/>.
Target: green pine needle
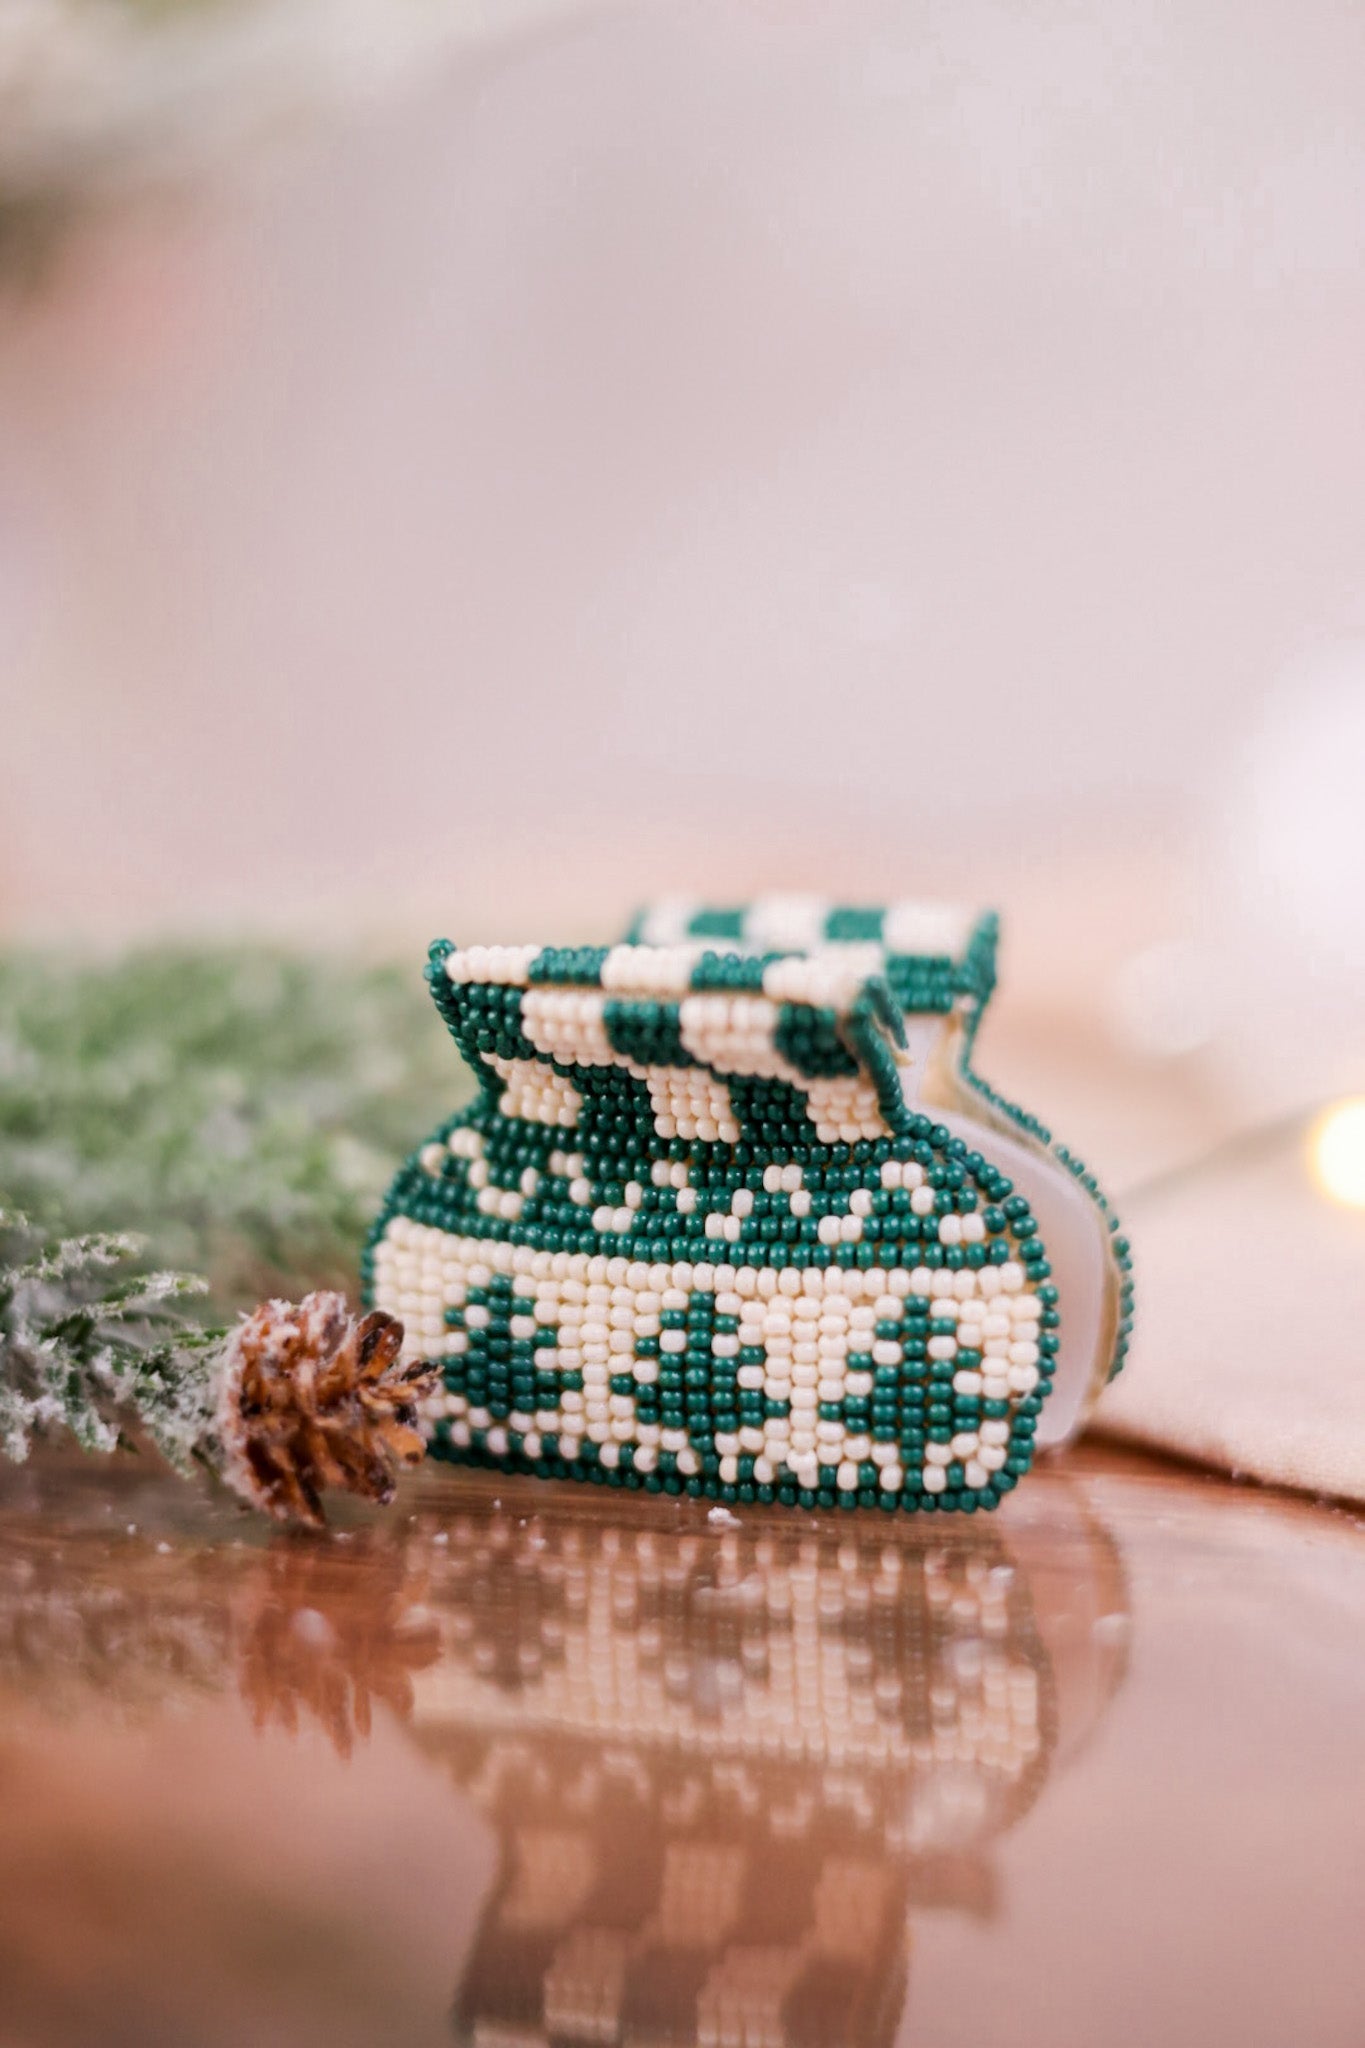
<point x="241" y="1110"/>
<point x="178" y="1113"/>
<point x="90" y="1344"/>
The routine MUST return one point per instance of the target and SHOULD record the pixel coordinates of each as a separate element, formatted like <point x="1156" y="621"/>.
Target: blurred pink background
<point x="878" y="448"/>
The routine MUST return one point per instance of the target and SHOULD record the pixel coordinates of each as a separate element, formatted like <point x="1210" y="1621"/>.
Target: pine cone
<point x="313" y="1398"/>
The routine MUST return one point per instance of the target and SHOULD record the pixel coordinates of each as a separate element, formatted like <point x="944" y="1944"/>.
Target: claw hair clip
<point x="733" y="1216"/>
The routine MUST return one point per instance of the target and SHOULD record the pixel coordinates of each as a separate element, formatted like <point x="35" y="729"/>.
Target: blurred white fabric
<point x="1248" y="1358"/>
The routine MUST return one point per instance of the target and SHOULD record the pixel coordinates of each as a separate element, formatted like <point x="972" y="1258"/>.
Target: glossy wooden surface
<point x="524" y="1765"/>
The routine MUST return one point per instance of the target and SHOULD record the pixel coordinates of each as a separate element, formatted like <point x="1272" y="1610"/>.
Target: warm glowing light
<point x="1337" y="1150"/>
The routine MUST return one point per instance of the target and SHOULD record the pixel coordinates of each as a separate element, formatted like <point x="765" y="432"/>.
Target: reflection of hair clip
<point x="727" y="1767"/>
<point x="733" y="1216"/>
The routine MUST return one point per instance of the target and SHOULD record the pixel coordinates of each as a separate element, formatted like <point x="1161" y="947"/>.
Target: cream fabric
<point x="1250" y="1345"/>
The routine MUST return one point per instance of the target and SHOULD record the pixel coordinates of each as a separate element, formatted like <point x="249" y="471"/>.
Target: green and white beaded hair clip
<point x="733" y="1216"/>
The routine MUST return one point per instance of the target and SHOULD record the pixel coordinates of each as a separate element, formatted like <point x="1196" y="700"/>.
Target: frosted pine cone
<point x="311" y="1397"/>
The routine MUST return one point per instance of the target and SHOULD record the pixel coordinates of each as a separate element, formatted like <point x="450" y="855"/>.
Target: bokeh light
<point x="1337" y="1152"/>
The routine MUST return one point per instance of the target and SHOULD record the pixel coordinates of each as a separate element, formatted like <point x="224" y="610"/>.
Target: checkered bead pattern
<point x="693" y="1236"/>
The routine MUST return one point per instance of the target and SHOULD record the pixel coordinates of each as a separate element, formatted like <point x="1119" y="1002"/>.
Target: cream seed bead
<point x="506" y="965"/>
<point x="815" y="1329"/>
<point x="922" y="1201"/>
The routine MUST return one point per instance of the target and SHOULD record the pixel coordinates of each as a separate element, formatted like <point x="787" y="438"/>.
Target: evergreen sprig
<point x="229" y="1114"/>
<point x="241" y="1110"/>
<point x="93" y="1344"/>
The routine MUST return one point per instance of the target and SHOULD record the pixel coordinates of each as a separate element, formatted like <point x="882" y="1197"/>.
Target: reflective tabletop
<point x="517" y="1764"/>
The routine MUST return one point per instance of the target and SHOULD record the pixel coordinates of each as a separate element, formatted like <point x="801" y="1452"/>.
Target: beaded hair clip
<point x="733" y="1216"/>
